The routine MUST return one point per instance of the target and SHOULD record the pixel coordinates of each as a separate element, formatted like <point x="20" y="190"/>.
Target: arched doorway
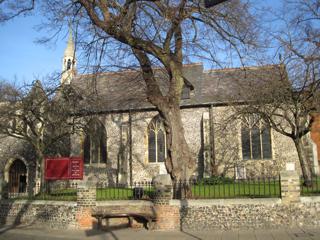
<point x="17" y="177"/>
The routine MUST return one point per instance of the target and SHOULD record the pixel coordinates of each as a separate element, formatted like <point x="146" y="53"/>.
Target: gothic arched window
<point x="94" y="146"/>
<point x="255" y="138"/>
<point x="157" y="148"/>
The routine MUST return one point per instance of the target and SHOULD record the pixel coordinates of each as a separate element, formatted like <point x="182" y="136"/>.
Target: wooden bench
<point x="150" y="219"/>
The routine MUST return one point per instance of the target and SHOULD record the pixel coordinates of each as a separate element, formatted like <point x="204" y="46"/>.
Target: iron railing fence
<point x="207" y="188"/>
<point x="218" y="188"/>
<point x="47" y="191"/>
<point x="137" y="191"/>
<point x="311" y="188"/>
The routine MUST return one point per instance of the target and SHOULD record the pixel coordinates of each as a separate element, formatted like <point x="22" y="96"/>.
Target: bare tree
<point x="34" y="114"/>
<point x="289" y="98"/>
<point x="163" y="34"/>
<point x="14" y="8"/>
<point x="159" y="34"/>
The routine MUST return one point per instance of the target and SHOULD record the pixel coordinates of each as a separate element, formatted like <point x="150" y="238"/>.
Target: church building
<point x="125" y="141"/>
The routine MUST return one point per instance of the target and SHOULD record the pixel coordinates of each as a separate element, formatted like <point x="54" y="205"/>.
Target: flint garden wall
<point x="290" y="210"/>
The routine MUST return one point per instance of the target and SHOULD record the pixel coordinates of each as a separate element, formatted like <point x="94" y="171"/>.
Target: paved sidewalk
<point x="28" y="233"/>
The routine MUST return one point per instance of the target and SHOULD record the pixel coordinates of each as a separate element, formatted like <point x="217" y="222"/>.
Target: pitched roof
<point x="237" y="84"/>
<point x="124" y="90"/>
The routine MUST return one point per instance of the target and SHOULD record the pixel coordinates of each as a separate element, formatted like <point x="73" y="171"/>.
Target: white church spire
<point x="69" y="60"/>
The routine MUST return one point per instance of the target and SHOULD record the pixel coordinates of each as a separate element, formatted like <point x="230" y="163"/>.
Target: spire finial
<point x="69" y="61"/>
<point x="70" y="39"/>
<point x="70" y="45"/>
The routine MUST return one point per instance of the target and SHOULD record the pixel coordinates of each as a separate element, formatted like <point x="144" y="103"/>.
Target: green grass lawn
<point x="54" y="195"/>
<point x="201" y="191"/>
<point x="237" y="190"/>
<point x="58" y="195"/>
<point x="114" y="193"/>
<point x="121" y="193"/>
<point x="314" y="189"/>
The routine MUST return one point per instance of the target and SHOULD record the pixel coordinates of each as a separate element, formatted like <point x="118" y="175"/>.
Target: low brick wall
<point x="62" y="215"/>
<point x="53" y="214"/>
<point x="247" y="213"/>
<point x="168" y="217"/>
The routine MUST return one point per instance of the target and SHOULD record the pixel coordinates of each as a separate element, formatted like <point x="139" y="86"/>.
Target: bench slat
<point x="101" y="215"/>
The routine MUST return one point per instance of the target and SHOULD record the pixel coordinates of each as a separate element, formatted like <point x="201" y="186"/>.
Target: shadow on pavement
<point x="95" y="232"/>
<point x="190" y="235"/>
<point x="105" y="230"/>
<point x="5" y="228"/>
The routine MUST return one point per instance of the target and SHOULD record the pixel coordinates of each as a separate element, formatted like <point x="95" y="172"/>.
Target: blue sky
<point x="23" y="60"/>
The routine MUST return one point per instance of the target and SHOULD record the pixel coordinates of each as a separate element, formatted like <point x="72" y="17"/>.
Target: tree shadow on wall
<point x="17" y="221"/>
<point x="184" y="210"/>
<point x="21" y="212"/>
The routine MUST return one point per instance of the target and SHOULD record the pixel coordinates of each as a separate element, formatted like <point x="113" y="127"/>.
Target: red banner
<point x="63" y="168"/>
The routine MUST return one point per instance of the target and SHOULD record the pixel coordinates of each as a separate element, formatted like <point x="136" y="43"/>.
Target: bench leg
<point x="130" y="221"/>
<point x="150" y="224"/>
<point x="99" y="222"/>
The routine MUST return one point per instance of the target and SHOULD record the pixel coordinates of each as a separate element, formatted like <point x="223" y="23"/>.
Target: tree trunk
<point x="306" y="171"/>
<point x="179" y="162"/>
<point x="40" y="167"/>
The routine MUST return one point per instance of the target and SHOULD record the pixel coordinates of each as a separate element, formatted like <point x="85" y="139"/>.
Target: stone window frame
<point x="99" y="150"/>
<point x="247" y="124"/>
<point x="156" y="125"/>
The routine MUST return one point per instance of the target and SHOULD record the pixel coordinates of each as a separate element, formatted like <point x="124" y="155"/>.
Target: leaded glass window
<point x="86" y="149"/>
<point x="152" y="147"/>
<point x="94" y="146"/>
<point x="157" y="150"/>
<point x="255" y="138"/>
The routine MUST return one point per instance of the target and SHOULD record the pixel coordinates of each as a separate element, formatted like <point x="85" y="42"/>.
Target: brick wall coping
<point x="124" y="203"/>
<point x="40" y="202"/>
<point x="210" y="202"/>
<point x="310" y="199"/>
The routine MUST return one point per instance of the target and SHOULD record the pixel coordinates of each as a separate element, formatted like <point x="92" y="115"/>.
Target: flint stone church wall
<point x="227" y="138"/>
